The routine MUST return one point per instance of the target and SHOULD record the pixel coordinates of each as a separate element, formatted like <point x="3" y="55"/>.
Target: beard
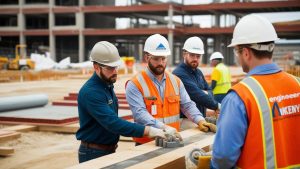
<point x="193" y="64"/>
<point x="112" y="79"/>
<point x="158" y="70"/>
<point x="244" y="65"/>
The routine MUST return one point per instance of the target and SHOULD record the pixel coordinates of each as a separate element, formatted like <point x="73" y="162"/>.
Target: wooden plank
<point x="173" y="159"/>
<point x="71" y="129"/>
<point x="6" y="151"/>
<point x="8" y="135"/>
<point x="133" y="154"/>
<point x="21" y="128"/>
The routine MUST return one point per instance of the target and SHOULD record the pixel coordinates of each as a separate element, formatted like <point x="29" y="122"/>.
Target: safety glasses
<point x="109" y="68"/>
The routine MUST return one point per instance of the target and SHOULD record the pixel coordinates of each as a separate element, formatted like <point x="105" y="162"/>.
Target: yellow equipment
<point x="20" y="62"/>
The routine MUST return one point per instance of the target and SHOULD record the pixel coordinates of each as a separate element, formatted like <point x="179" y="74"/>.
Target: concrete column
<point x="80" y="25"/>
<point x="21" y="22"/>
<point x="171" y="34"/>
<point x="51" y="26"/>
<point x="217" y="20"/>
<point x="141" y="52"/>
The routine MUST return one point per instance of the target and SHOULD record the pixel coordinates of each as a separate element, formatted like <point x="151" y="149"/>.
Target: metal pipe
<point x="22" y="102"/>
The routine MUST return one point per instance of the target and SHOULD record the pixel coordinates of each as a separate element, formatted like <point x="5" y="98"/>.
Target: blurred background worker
<point x="193" y="78"/>
<point x="259" y="120"/>
<point x="220" y="77"/>
<point x="100" y="127"/>
<point x="156" y="96"/>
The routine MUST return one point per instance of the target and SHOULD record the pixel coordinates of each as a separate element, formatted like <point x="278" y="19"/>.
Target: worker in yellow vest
<point x="156" y="96"/>
<point x="220" y="77"/>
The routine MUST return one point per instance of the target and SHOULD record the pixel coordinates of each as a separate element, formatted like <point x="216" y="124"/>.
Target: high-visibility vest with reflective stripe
<point x="168" y="108"/>
<point x="224" y="83"/>
<point x="272" y="103"/>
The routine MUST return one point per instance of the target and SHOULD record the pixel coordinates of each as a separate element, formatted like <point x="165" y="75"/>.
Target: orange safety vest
<point x="167" y="109"/>
<point x="272" y="103"/>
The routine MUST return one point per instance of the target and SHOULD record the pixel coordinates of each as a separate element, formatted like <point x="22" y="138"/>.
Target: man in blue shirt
<point x="193" y="79"/>
<point x="100" y="127"/>
<point x="253" y="42"/>
<point x="156" y="51"/>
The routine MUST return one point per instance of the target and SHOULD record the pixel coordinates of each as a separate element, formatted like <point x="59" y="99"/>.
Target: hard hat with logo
<point x="105" y="53"/>
<point x="216" y="55"/>
<point x="157" y="45"/>
<point x="253" y="29"/>
<point x="194" y="45"/>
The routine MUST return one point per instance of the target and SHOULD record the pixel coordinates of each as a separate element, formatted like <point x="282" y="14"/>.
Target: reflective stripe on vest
<point x="143" y="83"/>
<point x="146" y="90"/>
<point x="174" y="83"/>
<point x="169" y="120"/>
<point x="296" y="78"/>
<point x="266" y="121"/>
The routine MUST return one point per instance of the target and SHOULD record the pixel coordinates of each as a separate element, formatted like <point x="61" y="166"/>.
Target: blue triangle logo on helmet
<point x="160" y="47"/>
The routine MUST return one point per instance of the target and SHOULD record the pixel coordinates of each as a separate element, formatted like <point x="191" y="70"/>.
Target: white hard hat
<point x="194" y="45"/>
<point x="216" y="55"/>
<point x="157" y="45"/>
<point x="253" y="29"/>
<point x="105" y="53"/>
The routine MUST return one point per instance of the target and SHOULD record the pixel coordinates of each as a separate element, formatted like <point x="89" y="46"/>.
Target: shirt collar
<point x="264" y="69"/>
<point x="152" y="77"/>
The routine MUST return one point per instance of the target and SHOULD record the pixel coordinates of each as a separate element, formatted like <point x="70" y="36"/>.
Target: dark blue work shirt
<point x="194" y="82"/>
<point x="98" y="115"/>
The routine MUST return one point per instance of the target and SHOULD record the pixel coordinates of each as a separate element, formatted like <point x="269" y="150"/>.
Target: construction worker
<point x="220" y="77"/>
<point x="100" y="127"/>
<point x="193" y="78"/>
<point x="259" y="120"/>
<point x="156" y="96"/>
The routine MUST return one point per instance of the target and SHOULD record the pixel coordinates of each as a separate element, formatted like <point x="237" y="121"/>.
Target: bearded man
<point x="193" y="78"/>
<point x="100" y="127"/>
<point x="157" y="97"/>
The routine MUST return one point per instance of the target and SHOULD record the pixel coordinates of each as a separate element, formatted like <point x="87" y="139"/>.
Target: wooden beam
<point x="174" y="159"/>
<point x="6" y="151"/>
<point x="142" y="156"/>
<point x="8" y="135"/>
<point x="71" y="128"/>
<point x="21" y="128"/>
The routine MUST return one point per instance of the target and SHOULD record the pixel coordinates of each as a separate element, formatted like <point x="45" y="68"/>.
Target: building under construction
<point x="69" y="28"/>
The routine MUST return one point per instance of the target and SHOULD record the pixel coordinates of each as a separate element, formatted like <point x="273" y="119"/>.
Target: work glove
<point x="177" y="135"/>
<point x="205" y="126"/>
<point x="169" y="130"/>
<point x="155" y="132"/>
<point x="172" y="131"/>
